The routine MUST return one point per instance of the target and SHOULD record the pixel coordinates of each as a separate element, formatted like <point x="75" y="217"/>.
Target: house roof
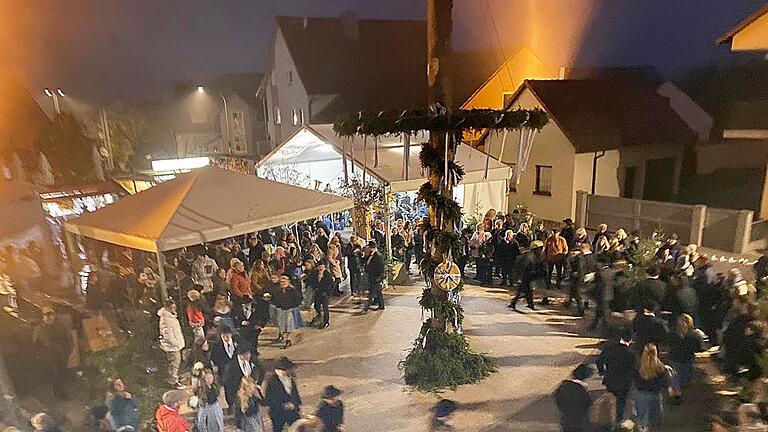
<point x="598" y="115"/>
<point x="747" y="114"/>
<point x="21" y="118"/>
<point x="372" y="64"/>
<point x="740" y="26"/>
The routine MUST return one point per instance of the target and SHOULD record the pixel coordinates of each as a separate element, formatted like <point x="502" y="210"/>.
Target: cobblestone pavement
<point x="533" y="350"/>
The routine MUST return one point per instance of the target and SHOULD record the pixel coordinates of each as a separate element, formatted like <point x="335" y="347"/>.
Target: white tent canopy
<point x="204" y="205"/>
<point x="316" y="152"/>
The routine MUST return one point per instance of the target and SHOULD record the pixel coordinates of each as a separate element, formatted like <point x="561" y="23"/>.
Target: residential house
<point x="751" y="34"/>
<point x="321" y="68"/>
<point x="609" y="137"/>
<point x="219" y="117"/>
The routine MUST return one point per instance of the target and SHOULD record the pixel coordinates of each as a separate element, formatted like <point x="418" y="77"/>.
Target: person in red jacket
<point x="196" y="313"/>
<point x="167" y="415"/>
<point x="239" y="282"/>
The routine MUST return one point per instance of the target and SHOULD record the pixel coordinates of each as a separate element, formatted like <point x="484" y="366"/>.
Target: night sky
<point x="102" y="50"/>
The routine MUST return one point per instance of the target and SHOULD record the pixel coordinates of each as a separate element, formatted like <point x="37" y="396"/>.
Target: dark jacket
<point x="375" y="267"/>
<point x="275" y="398"/>
<point x="649" y="329"/>
<point x="219" y="355"/>
<point x="507" y="251"/>
<point x="233" y="375"/>
<point x="322" y="284"/>
<point x="654" y="385"/>
<point x="617" y="364"/>
<point x="125" y="412"/>
<point x="650" y="289"/>
<point x="254" y="253"/>
<point x="286" y="299"/>
<point x="569" y="234"/>
<point x="683" y="349"/>
<point x="573" y="400"/>
<point x="604" y="284"/>
<point x="331" y="415"/>
<point x="322" y="243"/>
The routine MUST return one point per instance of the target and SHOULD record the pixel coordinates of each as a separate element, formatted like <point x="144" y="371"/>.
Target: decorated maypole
<point x="440" y="357"/>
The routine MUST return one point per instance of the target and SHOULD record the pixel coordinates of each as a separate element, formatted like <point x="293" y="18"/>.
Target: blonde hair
<point x="603" y="411"/>
<point x="311" y="424"/>
<point x="650" y="366"/>
<point x="248" y="388"/>
<point x="684" y="324"/>
<point x="581" y="232"/>
<point x="620" y="234"/>
<point x="41" y="421"/>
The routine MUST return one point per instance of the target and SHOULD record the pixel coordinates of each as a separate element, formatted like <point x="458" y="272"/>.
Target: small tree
<point x="68" y="149"/>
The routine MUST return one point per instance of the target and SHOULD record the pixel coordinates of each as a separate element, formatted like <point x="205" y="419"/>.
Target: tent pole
<point x="161" y="275"/>
<point x="388" y="223"/>
<point x="73" y="258"/>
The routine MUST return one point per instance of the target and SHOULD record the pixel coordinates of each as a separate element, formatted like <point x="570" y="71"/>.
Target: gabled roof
<point x="204" y="205"/>
<point x="739" y="27"/>
<point x="598" y="115"/>
<point x="372" y="64"/>
<point x="21" y="118"/>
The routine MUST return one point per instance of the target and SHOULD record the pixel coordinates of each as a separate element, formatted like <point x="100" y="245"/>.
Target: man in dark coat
<point x="223" y="350"/>
<point x="507" y="251"/>
<point x="376" y="270"/>
<point x="650" y="289"/>
<point x="282" y="395"/>
<point x="573" y="400"/>
<point x="529" y="265"/>
<point x="322" y="285"/>
<point x="247" y="320"/>
<point x="256" y="247"/>
<point x="604" y="287"/>
<point x="241" y="366"/>
<point x="648" y="328"/>
<point x="617" y="364"/>
<point x="569" y="233"/>
<point x="584" y="268"/>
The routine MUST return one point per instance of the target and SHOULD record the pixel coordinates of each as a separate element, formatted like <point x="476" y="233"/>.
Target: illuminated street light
<point x="60" y="92"/>
<point x="201" y="89"/>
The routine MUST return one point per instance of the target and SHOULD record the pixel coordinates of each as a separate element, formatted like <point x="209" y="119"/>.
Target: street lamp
<point x="55" y="95"/>
<point x="201" y="89"/>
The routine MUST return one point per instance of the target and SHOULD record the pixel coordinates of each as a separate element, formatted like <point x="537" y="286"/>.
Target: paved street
<point x="533" y="352"/>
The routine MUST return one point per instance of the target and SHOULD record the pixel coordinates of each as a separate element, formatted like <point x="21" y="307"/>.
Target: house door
<point x="659" y="176"/>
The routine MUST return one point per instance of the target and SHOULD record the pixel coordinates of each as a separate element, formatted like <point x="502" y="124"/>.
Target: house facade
<point x="614" y="138"/>
<point x="321" y="68"/>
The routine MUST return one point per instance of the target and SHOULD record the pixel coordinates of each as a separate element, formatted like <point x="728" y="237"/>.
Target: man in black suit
<point x="241" y="366"/>
<point x="223" y="350"/>
<point x="255" y="249"/>
<point x="322" y="285"/>
<point x="528" y="264"/>
<point x="282" y="396"/>
<point x="651" y="288"/>
<point x="377" y="272"/>
<point x="247" y="321"/>
<point x="617" y="364"/>
<point x="648" y="328"/>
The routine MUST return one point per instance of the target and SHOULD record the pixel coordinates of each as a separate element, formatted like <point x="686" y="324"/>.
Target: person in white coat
<point x="171" y="341"/>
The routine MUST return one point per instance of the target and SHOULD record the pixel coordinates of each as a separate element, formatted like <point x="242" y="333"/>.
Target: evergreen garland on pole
<point x="441" y="356"/>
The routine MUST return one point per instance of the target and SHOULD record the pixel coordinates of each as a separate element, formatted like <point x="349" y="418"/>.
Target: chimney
<point x="350" y="24"/>
<point x="562" y="73"/>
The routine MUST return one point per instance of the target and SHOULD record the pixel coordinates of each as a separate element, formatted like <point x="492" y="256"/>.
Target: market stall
<point x="205" y="205"/>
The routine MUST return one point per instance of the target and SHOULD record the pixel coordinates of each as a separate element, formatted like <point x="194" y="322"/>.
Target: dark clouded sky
<point x="106" y="49"/>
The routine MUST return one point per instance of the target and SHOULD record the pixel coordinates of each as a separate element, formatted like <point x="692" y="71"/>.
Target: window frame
<point x="537" y="190"/>
<point x="278" y="117"/>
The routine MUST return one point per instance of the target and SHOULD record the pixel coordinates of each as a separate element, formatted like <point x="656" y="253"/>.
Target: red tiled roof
<point x="598" y="115"/>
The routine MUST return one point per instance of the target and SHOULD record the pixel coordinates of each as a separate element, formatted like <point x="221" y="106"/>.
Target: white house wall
<point x="550" y="148"/>
<point x="607" y="178"/>
<point x="282" y="93"/>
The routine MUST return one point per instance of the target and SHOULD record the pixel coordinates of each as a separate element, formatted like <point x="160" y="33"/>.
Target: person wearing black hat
<point x="648" y="328"/>
<point x="241" y="366"/>
<point x="223" y="350"/>
<point x="443" y="412"/>
<point x="331" y="410"/>
<point x="528" y="266"/>
<point x="245" y="317"/>
<point x="616" y="364"/>
<point x="282" y="395"/>
<point x="568" y="232"/>
<point x="573" y="400"/>
<point x="376" y="269"/>
<point x="323" y="285"/>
